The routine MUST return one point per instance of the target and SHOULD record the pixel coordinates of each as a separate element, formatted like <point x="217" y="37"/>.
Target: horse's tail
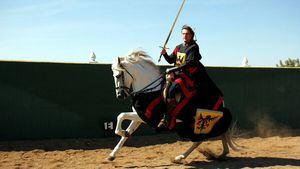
<point x="230" y="135"/>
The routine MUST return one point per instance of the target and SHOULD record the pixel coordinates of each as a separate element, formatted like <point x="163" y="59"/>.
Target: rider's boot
<point x="164" y="122"/>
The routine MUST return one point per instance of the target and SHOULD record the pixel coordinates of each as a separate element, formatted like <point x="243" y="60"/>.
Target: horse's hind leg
<point x="228" y="142"/>
<point x="187" y="152"/>
<point x="131" y="128"/>
<point x="225" y="146"/>
<point x="209" y="154"/>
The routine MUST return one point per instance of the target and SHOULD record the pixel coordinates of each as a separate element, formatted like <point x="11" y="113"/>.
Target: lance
<point x="171" y="30"/>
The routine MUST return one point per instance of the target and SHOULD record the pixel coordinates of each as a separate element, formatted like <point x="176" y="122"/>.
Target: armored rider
<point x="186" y="78"/>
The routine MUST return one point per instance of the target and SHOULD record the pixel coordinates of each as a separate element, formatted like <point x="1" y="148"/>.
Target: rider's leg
<point x="171" y="94"/>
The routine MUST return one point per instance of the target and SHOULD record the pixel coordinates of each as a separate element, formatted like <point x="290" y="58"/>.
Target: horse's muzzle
<point x="121" y="95"/>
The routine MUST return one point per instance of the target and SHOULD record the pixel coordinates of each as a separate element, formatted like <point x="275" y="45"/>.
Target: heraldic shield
<point x="205" y="120"/>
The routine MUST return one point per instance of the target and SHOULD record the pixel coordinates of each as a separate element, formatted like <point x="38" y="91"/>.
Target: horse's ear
<point x="119" y="60"/>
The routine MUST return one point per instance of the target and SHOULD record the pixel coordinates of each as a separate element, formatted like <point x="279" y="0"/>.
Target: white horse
<point x="136" y="73"/>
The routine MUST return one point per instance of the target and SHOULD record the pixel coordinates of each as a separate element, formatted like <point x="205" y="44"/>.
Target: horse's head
<point x="133" y="72"/>
<point x="123" y="79"/>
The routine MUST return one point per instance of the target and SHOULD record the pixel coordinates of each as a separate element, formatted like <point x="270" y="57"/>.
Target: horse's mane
<point x="140" y="55"/>
<point x="136" y="57"/>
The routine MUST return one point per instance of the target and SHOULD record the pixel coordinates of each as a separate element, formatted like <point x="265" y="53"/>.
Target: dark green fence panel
<point x="55" y="100"/>
<point x="252" y="94"/>
<point x="47" y="100"/>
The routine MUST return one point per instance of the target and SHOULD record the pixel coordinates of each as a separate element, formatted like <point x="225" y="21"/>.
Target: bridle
<point x="129" y="90"/>
<point x="125" y="88"/>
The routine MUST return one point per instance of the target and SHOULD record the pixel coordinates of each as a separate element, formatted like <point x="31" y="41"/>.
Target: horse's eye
<point x="118" y="76"/>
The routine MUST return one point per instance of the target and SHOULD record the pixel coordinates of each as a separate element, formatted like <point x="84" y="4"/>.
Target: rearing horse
<point x="136" y="76"/>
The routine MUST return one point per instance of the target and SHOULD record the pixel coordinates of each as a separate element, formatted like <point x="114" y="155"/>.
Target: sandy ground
<point x="148" y="152"/>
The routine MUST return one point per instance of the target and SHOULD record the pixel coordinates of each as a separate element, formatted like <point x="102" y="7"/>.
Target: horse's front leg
<point x="133" y="116"/>
<point x="187" y="152"/>
<point x="131" y="128"/>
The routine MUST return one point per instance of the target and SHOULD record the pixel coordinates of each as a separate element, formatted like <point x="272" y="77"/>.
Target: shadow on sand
<point x="240" y="162"/>
<point x="86" y="144"/>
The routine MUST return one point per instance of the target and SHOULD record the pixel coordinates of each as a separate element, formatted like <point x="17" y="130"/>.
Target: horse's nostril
<point x="120" y="95"/>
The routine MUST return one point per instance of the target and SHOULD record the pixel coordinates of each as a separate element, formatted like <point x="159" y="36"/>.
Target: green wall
<point x="257" y="94"/>
<point x="56" y="100"/>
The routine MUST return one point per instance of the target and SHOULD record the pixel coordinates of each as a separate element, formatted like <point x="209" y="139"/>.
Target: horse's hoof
<point x="110" y="158"/>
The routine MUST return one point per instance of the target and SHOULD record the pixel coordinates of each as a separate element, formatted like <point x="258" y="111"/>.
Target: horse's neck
<point x="152" y="86"/>
<point x="144" y="77"/>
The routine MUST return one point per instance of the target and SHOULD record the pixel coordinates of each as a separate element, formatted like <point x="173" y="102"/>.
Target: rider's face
<point x="186" y="36"/>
